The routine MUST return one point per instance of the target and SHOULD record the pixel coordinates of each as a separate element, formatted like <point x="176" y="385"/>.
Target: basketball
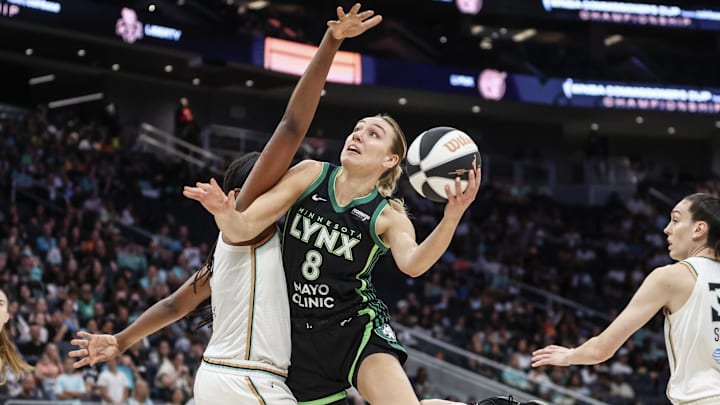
<point x="438" y="156"/>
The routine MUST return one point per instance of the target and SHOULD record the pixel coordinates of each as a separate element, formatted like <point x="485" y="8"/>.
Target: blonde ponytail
<point x="388" y="181"/>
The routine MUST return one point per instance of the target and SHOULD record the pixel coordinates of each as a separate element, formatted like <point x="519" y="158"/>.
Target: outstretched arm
<point x="239" y="226"/>
<point x="398" y="232"/>
<point x="652" y="296"/>
<point x="290" y="132"/>
<point x="95" y="348"/>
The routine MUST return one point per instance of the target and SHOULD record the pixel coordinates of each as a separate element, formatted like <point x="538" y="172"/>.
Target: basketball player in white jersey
<point x="688" y="292"/>
<point x="248" y="355"/>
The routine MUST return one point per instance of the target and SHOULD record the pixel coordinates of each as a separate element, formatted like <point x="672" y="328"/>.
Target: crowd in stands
<point x="93" y="232"/>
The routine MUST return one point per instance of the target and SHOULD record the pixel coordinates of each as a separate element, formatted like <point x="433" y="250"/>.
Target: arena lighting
<point x="613" y="7"/>
<point x="41" y="79"/>
<point x="41" y="5"/>
<point x="572" y="88"/>
<point x="476" y="109"/>
<point x="613" y="39"/>
<point x="524" y="35"/>
<point x="258" y="4"/>
<point x="632" y="13"/>
<point x="639" y="119"/>
<point x="476" y="29"/>
<point x="292" y="57"/>
<point x="75" y="100"/>
<point x="9" y="10"/>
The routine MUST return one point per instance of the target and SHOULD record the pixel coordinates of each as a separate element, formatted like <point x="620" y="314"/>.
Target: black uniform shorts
<point x="326" y="356"/>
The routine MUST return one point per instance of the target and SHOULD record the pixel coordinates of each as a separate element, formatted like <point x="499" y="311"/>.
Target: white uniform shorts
<point x="216" y="384"/>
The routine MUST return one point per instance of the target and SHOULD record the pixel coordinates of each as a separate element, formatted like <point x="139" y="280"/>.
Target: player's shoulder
<point x="307" y="165"/>
<point x="673" y="276"/>
<point x="304" y="173"/>
<point x="305" y="168"/>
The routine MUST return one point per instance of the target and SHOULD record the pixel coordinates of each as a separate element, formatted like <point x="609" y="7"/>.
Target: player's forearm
<point x="161" y="314"/>
<point x="294" y="124"/>
<point x="590" y="352"/>
<point x="306" y="96"/>
<point x="427" y="253"/>
<point x="236" y="226"/>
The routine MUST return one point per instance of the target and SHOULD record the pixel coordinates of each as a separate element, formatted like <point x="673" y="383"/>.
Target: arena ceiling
<point x="414" y="30"/>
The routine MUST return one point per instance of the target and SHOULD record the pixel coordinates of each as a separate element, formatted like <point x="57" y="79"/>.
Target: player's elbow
<point x="412" y="271"/>
<point x="290" y="127"/>
<point x="172" y="305"/>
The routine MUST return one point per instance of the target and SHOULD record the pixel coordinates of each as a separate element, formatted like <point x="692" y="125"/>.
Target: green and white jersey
<point x="329" y="252"/>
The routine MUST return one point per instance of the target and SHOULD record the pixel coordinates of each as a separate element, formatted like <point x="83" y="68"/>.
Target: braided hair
<point x="235" y="176"/>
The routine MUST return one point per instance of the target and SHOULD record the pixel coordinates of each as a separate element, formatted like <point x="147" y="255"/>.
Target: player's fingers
<point x="355" y="8"/>
<point x="366" y="14"/>
<point x="79" y="342"/>
<point x="340" y="13"/>
<point x="372" y="22"/>
<point x="458" y="187"/>
<point x="215" y="185"/>
<point x="448" y="193"/>
<point x="81" y="363"/>
<point x="193" y="194"/>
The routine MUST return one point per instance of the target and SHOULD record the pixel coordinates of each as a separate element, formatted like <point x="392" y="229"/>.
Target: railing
<point x="166" y="143"/>
<point x="451" y="354"/>
<point x="231" y="141"/>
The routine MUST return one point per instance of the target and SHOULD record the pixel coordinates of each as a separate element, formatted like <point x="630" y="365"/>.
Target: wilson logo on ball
<point x="455" y="144"/>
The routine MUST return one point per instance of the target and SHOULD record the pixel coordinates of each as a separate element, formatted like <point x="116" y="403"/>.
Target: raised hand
<point x="353" y="23"/>
<point x="551" y="356"/>
<point x="459" y="200"/>
<point x="94" y="349"/>
<point x="211" y="196"/>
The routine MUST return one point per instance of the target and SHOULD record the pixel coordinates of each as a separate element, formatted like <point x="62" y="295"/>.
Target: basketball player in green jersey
<point x="688" y="292"/>
<point x="248" y="355"/>
<point x="339" y="221"/>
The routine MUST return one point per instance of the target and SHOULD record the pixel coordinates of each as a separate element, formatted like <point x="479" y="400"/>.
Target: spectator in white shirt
<point x="113" y="384"/>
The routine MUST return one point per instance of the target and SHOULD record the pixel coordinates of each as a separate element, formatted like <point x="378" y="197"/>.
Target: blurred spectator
<point x="141" y="394"/>
<point x="184" y="121"/>
<point x="113" y="385"/>
<point x="47" y="369"/>
<point x="174" y="374"/>
<point x="34" y="348"/>
<point x="70" y="385"/>
<point x="30" y="390"/>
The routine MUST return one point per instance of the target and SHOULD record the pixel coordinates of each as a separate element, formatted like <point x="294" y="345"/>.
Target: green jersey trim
<point x="373" y="257"/>
<point x="326" y="400"/>
<point x="339" y="209"/>
<point x="373" y="222"/>
<point x="365" y="339"/>
<point x="315" y="183"/>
